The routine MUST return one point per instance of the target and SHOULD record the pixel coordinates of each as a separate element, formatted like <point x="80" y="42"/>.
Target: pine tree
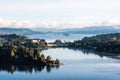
<point x="12" y="53"/>
<point x="57" y="61"/>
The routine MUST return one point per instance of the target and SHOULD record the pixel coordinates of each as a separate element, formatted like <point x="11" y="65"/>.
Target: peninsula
<point x="21" y="50"/>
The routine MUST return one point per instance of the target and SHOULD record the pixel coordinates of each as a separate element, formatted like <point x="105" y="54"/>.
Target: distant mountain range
<point x="86" y="30"/>
<point x="93" y="30"/>
<point x="20" y="31"/>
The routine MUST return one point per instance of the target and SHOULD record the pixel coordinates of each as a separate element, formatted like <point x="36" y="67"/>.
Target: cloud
<point x="17" y="24"/>
<point x="6" y="23"/>
<point x="112" y="22"/>
<point x="53" y="24"/>
<point x="32" y="24"/>
<point x="72" y="11"/>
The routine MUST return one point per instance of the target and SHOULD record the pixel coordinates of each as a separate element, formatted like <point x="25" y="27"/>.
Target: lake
<point x="53" y="37"/>
<point x="78" y="65"/>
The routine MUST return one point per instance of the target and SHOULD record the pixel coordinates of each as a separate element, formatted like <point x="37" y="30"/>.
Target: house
<point x="51" y="45"/>
<point x="34" y="40"/>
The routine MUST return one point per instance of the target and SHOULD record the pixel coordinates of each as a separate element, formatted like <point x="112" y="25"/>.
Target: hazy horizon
<point x="58" y="14"/>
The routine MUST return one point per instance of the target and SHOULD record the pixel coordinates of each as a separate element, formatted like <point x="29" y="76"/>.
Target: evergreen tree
<point x="12" y="53"/>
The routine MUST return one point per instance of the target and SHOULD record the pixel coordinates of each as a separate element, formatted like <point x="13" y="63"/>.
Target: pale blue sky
<point x="81" y="12"/>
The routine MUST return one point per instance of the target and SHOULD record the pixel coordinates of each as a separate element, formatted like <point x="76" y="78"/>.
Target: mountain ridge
<point x="85" y="30"/>
<point x="20" y="31"/>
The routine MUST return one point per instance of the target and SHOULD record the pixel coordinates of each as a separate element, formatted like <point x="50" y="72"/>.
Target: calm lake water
<point x="78" y="65"/>
<point x="53" y="37"/>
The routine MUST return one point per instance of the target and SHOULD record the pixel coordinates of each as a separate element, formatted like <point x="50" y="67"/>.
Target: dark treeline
<point x="17" y="50"/>
<point x="102" y="43"/>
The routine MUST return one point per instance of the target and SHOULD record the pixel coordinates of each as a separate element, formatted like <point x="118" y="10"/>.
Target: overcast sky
<point x="58" y="13"/>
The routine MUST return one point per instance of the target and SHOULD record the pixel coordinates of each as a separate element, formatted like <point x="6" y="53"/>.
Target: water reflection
<point x="25" y="68"/>
<point x="78" y="65"/>
<point x="100" y="54"/>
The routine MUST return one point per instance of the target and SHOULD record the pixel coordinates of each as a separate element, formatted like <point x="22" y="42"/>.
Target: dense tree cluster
<point x="25" y="55"/>
<point x="16" y="49"/>
<point x="102" y="43"/>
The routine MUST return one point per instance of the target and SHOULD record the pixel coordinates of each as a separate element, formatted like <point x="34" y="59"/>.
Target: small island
<point x="21" y="50"/>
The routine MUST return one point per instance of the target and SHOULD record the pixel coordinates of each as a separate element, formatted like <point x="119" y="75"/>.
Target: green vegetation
<point x="20" y="50"/>
<point x="102" y="43"/>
